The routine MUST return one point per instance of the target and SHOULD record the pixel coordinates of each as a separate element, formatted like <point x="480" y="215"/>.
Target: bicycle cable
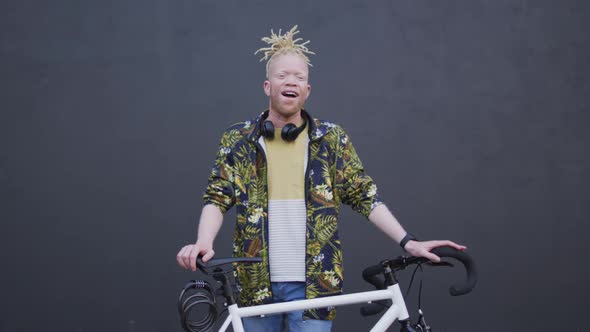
<point x="418" y="266"/>
<point x="421" y="324"/>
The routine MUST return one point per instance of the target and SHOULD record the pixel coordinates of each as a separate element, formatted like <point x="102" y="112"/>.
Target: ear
<point x="266" y="87"/>
<point x="308" y="91"/>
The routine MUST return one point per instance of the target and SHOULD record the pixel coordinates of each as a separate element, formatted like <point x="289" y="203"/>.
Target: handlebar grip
<point x="223" y="261"/>
<point x="467" y="261"/>
<point x="371" y="309"/>
<point x="370" y="275"/>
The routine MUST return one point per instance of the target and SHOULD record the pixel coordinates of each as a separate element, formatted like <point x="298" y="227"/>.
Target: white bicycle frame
<point x="397" y="310"/>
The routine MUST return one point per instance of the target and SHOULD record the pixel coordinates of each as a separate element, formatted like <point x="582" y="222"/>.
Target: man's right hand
<point x="187" y="256"/>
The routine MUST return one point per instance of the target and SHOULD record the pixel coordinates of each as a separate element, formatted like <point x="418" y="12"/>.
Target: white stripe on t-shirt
<point x="286" y="234"/>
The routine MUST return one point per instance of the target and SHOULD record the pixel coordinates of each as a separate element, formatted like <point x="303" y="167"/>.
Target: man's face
<point x="287" y="84"/>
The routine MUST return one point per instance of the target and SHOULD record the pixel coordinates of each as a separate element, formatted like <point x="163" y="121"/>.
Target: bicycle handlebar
<point x="217" y="262"/>
<point x="464" y="287"/>
<point x="372" y="274"/>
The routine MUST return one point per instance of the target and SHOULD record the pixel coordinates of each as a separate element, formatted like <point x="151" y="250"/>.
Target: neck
<point x="279" y="121"/>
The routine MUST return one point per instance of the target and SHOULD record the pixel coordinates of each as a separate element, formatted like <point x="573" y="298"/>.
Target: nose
<point x="290" y="82"/>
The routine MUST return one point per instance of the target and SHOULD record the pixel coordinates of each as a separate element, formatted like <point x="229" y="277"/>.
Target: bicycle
<point x="381" y="276"/>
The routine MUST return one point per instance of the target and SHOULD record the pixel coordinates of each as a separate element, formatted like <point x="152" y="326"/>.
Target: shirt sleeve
<point x="357" y="188"/>
<point x="220" y="187"/>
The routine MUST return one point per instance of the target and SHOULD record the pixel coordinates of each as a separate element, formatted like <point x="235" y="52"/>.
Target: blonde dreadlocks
<point x="283" y="44"/>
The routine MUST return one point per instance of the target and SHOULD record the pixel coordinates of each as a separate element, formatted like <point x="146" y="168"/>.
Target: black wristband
<point x="409" y="237"/>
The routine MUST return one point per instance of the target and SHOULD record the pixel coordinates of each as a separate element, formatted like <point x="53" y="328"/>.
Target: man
<point x="287" y="189"/>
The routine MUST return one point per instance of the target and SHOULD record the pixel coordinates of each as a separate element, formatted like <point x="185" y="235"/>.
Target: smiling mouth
<point x="289" y="94"/>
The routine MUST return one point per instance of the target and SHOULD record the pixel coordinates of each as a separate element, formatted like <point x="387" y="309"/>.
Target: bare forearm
<point x="209" y="224"/>
<point x="387" y="223"/>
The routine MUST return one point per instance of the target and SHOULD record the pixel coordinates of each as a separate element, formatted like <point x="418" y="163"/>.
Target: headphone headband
<point x="290" y="131"/>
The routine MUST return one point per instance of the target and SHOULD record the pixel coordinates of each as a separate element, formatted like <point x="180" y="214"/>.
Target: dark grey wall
<point x="471" y="116"/>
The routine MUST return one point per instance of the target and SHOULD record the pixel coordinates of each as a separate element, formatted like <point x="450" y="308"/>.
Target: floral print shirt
<point x="334" y="175"/>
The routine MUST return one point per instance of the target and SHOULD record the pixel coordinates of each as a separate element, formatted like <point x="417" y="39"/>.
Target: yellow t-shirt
<point x="286" y="206"/>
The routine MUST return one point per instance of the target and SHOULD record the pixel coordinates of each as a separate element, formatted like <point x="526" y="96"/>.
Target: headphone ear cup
<point x="268" y="130"/>
<point x="289" y="132"/>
